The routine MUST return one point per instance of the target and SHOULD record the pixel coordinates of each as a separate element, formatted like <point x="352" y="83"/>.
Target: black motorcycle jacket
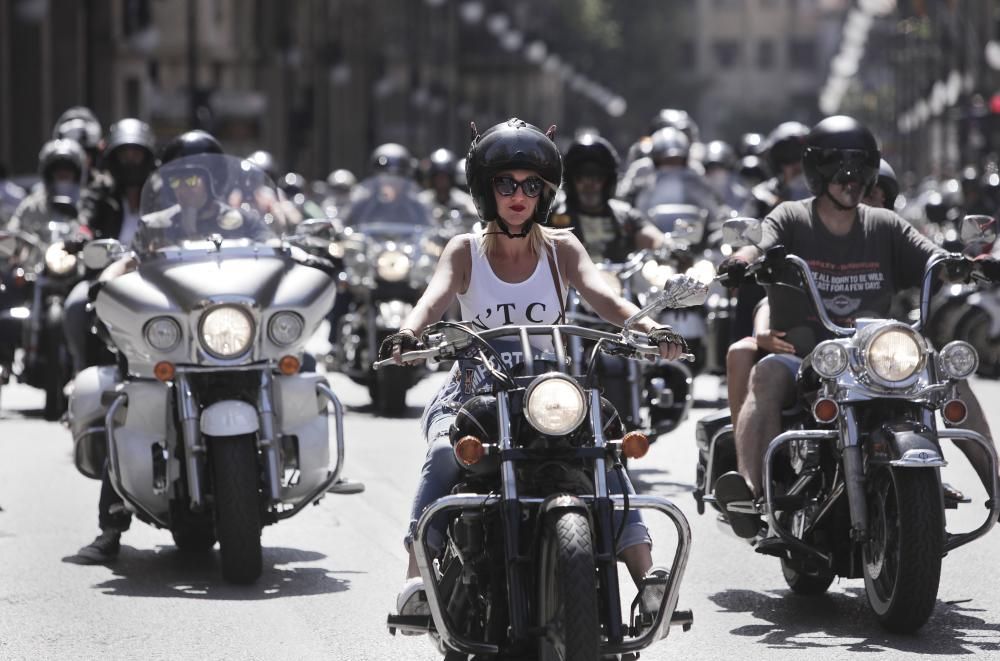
<point x="624" y="223"/>
<point x="102" y="207"/>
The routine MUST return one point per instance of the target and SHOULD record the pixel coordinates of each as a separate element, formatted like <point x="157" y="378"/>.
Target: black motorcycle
<point x="853" y="485"/>
<point x="528" y="564"/>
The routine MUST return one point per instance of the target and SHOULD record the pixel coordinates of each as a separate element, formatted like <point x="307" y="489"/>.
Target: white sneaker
<point x="654" y="585"/>
<point x="412" y="600"/>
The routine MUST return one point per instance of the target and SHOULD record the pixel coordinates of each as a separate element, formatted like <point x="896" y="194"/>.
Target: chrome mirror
<point x="739" y="232"/>
<point x="978" y="229"/>
<point x="679" y="291"/>
<point x="101" y="253"/>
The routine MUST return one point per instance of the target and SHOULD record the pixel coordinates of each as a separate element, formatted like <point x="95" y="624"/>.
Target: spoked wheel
<point x="236" y="486"/>
<point x="567" y="591"/>
<point x="902" y="558"/>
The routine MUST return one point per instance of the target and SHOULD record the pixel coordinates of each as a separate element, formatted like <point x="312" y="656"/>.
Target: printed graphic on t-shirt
<point x="843" y="287"/>
<point x="534" y="313"/>
<point x="598" y="231"/>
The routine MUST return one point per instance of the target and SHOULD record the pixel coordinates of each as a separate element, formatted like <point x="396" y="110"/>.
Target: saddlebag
<point x="86" y="418"/>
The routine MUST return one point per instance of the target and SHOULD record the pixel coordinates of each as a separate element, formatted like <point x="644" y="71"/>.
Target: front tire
<point x="902" y="558"/>
<point x="236" y="486"/>
<point x="567" y="590"/>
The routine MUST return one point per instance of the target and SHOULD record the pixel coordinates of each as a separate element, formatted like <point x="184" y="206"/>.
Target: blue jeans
<point x="441" y="473"/>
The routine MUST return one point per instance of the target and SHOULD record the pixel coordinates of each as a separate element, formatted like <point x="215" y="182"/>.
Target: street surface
<point x="332" y="572"/>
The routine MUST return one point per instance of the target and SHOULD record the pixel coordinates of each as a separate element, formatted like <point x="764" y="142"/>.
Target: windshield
<point x="388" y="203"/>
<point x="207" y="197"/>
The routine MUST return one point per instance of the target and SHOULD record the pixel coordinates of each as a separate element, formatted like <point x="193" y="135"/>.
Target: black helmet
<point x="719" y="153"/>
<point x="392" y="158"/>
<point x="752" y="169"/>
<point x="79" y="123"/>
<point x="840" y="148"/>
<point x="293" y="184"/>
<point x="185" y="149"/>
<point x="675" y="118"/>
<point x="751" y="144"/>
<point x="512" y="145"/>
<point x="341" y="180"/>
<point x="784" y="145"/>
<point x="129" y="132"/>
<point x="264" y="161"/>
<point x="61" y="153"/>
<point x="441" y="161"/>
<point x="591" y="153"/>
<point x="888" y="183"/>
<point x="669" y="142"/>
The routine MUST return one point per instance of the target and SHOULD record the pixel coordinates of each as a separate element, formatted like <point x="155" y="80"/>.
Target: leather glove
<point x="732" y="272"/>
<point x="404" y="339"/>
<point x="666" y="335"/>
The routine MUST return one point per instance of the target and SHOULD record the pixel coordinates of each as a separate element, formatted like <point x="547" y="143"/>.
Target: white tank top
<point x="490" y="302"/>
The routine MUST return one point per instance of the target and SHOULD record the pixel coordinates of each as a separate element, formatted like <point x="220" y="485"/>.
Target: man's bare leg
<point x="740" y="360"/>
<point x="760" y="419"/>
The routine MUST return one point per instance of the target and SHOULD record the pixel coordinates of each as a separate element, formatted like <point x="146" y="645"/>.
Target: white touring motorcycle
<point x="208" y="425"/>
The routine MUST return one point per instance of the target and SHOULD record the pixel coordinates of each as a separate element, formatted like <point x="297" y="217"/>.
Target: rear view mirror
<point x="98" y="254"/>
<point x="739" y="232"/>
<point x="979" y="229"/>
<point x="683" y="291"/>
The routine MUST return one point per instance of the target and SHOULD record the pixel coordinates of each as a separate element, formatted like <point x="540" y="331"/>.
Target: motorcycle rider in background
<point x="62" y="165"/>
<point x="442" y="197"/>
<point x="721" y="173"/>
<point x="340" y="185"/>
<point x="196" y="214"/>
<point x="109" y="209"/>
<point x="79" y="123"/>
<point x="672" y="179"/>
<point x="10" y="195"/>
<point x="831" y="230"/>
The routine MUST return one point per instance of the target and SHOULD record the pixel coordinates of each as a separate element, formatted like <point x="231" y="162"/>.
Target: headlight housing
<point x="958" y="360"/>
<point x="554" y="405"/>
<point x="392" y="266"/>
<point x="227" y="331"/>
<point x="162" y="333"/>
<point x="894" y="354"/>
<point x="285" y="328"/>
<point x="829" y="359"/>
<point x="57" y="260"/>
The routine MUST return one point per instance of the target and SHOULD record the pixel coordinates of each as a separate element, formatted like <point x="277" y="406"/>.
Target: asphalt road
<point x="332" y="572"/>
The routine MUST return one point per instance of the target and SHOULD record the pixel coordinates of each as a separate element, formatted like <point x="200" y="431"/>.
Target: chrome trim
<point x="507" y="474"/>
<point x="114" y="469"/>
<point x="954" y="541"/>
<point x="919" y="459"/>
<point x="455" y="641"/>
<point x="247" y="309"/>
<point x="869" y="334"/>
<point x="266" y="438"/>
<point x="194" y="449"/>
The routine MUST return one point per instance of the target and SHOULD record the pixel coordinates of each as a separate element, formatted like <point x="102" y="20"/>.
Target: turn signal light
<point x="164" y="371"/>
<point x="825" y="410"/>
<point x="635" y="445"/>
<point x="469" y="450"/>
<point x="955" y="411"/>
<point x="289" y="365"/>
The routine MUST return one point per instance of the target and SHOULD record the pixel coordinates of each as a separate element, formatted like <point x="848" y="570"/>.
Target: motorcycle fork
<point x="635" y="392"/>
<point x="854" y="474"/>
<point x="194" y="449"/>
<point x="267" y="441"/>
<point x="604" y="518"/>
<point x="517" y="598"/>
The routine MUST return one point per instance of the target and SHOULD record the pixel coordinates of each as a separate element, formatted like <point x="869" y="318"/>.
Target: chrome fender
<point x="230" y="417"/>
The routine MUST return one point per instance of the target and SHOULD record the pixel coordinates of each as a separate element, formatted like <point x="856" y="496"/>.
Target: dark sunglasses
<point x="831" y="161"/>
<point x="507" y="186"/>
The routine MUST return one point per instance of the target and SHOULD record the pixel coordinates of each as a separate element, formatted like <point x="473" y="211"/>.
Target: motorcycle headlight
<point x="958" y="360"/>
<point x="162" y="333"/>
<point x="894" y="354"/>
<point x="829" y="359"/>
<point x="285" y="328"/>
<point x="554" y="405"/>
<point x="226" y="331"/>
<point x="57" y="260"/>
<point x="392" y="266"/>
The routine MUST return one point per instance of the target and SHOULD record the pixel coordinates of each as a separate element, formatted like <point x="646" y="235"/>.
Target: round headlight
<point x="57" y="260"/>
<point x="958" y="360"/>
<point x="894" y="355"/>
<point x="829" y="359"/>
<point x="554" y="405"/>
<point x="226" y="331"/>
<point x="285" y="328"/>
<point x="392" y="266"/>
<point x="162" y="333"/>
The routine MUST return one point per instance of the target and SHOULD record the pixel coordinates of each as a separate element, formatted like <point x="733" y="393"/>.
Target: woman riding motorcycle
<point x="514" y="271"/>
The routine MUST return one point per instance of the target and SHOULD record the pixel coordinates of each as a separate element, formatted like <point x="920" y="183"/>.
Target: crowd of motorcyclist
<point x="93" y="181"/>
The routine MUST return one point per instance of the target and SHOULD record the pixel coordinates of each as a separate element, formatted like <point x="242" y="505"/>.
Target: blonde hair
<point x="539" y="238"/>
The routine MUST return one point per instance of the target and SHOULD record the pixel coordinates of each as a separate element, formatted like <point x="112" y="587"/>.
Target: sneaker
<point x="953" y="497"/>
<point x="412" y="600"/>
<point x="654" y="585"/>
<point x="103" y="549"/>
<point x="734" y="496"/>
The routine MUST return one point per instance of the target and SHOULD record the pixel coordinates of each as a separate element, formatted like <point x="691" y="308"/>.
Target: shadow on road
<point x="167" y="572"/>
<point x="411" y="412"/>
<point x="842" y="620"/>
<point x="656" y="481"/>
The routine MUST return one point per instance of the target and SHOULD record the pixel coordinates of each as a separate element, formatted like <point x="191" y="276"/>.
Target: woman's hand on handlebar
<point x="402" y="340"/>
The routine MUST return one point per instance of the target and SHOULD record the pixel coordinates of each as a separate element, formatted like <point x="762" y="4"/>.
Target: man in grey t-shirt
<point x="860" y="256"/>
